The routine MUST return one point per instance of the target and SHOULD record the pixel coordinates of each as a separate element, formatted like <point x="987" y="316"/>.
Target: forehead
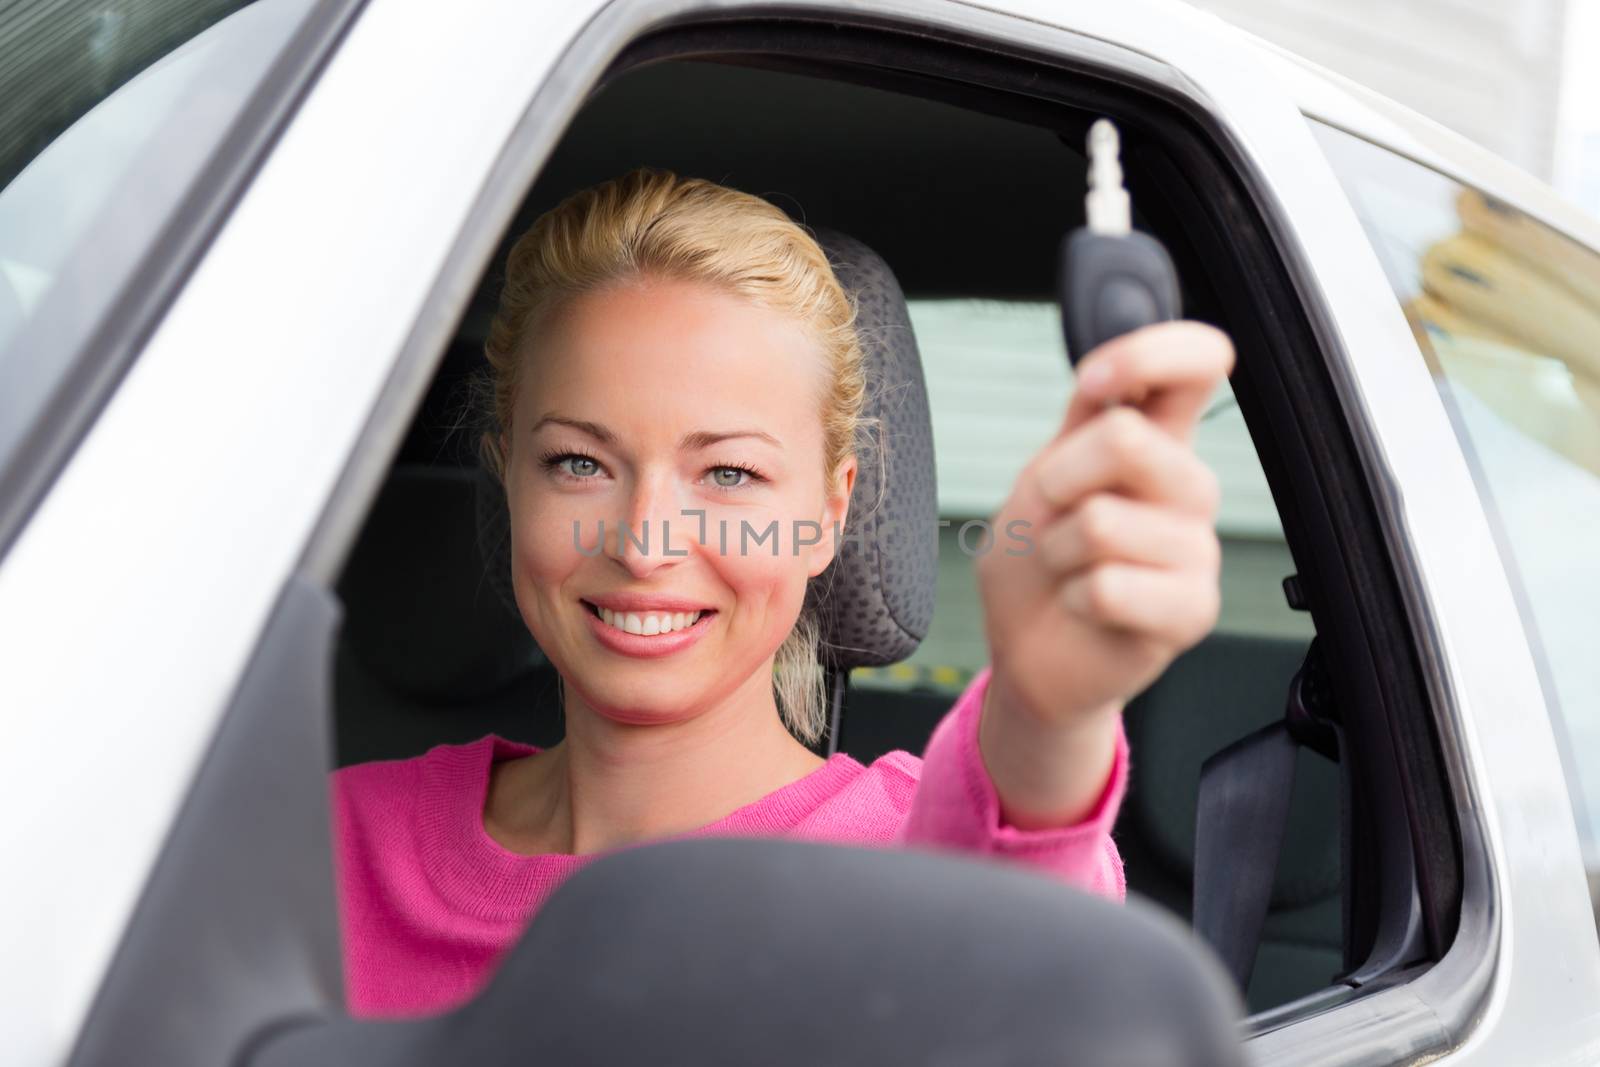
<point x="684" y="347"/>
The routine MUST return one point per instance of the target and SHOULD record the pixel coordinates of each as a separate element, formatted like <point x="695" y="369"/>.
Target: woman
<point x="672" y="362"/>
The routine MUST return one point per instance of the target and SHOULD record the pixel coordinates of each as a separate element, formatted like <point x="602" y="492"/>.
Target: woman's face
<point x="688" y="422"/>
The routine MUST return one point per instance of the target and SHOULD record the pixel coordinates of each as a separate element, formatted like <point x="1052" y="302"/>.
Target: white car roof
<point x="1207" y="49"/>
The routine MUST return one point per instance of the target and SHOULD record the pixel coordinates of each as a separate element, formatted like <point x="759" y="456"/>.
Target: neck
<point x="611" y="784"/>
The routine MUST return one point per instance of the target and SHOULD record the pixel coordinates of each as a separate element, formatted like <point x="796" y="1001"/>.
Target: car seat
<point x="1224" y="688"/>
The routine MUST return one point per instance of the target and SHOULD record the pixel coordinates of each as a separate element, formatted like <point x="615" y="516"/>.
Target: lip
<point x="638" y="602"/>
<point x="649" y="646"/>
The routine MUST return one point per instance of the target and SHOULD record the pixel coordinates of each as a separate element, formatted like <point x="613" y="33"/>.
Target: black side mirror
<point x="781" y="952"/>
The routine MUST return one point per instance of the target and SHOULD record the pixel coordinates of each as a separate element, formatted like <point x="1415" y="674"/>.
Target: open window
<point x="934" y="157"/>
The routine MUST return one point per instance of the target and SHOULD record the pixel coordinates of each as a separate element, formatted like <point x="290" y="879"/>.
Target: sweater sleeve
<point x="956" y="806"/>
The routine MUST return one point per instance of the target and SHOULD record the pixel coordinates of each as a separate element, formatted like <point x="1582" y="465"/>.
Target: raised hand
<point x="1122" y="574"/>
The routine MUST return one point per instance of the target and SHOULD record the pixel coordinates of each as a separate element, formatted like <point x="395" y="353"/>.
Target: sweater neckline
<point x="476" y="875"/>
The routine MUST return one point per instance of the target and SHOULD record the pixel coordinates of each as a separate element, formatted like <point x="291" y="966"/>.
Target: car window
<point x="109" y="115"/>
<point x="998" y="386"/>
<point x="1506" y="313"/>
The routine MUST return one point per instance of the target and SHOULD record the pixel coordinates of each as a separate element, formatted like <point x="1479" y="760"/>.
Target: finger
<point x="1105" y="528"/>
<point x="1177" y="608"/>
<point x="1121" y="450"/>
<point x="1169" y="370"/>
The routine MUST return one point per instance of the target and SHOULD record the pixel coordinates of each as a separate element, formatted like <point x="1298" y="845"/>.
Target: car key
<point x="1113" y="278"/>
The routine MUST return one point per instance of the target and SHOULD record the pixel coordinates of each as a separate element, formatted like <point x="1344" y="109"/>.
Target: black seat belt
<point x="1240" y="820"/>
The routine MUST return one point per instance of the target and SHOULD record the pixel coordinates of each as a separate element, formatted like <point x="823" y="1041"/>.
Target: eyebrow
<point x="593" y="429"/>
<point x="694" y="440"/>
<point x="706" y="438"/>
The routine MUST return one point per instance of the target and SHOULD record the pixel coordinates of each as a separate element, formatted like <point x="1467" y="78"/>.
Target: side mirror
<point x="783" y="952"/>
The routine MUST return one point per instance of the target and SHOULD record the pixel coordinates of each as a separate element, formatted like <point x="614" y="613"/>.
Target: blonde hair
<point x="651" y="222"/>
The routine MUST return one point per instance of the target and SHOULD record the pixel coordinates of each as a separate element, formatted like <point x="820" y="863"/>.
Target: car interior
<point x="953" y="194"/>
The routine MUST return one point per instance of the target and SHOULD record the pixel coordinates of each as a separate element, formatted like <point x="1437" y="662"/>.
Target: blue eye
<point x="575" y="465"/>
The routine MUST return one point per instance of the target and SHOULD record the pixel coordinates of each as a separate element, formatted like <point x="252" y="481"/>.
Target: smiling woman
<point x="628" y="351"/>
<point x="634" y="290"/>
<point x="676" y="397"/>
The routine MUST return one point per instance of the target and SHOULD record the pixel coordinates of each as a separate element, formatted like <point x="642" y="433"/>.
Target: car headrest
<point x="875" y="600"/>
<point x="421" y="614"/>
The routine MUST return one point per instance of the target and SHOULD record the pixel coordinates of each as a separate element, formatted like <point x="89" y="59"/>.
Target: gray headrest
<point x="876" y="599"/>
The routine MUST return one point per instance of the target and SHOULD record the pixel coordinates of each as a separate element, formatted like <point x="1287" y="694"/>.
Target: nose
<point x="647" y="539"/>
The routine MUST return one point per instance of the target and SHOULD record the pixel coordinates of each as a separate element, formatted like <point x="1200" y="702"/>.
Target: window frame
<point x="997" y="47"/>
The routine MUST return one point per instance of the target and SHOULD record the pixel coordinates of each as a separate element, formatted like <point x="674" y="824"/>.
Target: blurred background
<point x="1519" y="77"/>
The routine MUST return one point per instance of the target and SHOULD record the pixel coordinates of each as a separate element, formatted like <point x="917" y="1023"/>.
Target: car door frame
<point x="1541" y="1004"/>
<point x="1268" y="139"/>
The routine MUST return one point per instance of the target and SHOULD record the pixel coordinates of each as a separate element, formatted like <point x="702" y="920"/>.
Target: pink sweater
<point x="429" y="901"/>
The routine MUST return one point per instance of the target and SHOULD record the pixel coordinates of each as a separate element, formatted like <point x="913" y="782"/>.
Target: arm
<point x="957" y="806"/>
<point x="1118" y="573"/>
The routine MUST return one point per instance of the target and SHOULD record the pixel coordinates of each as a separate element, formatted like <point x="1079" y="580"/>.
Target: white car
<point x="245" y="254"/>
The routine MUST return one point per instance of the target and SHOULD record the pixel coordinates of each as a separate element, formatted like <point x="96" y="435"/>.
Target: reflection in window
<point x="1506" y="312"/>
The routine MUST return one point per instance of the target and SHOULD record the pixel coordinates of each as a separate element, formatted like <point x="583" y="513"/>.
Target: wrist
<point x="1048" y="772"/>
<point x="1023" y="714"/>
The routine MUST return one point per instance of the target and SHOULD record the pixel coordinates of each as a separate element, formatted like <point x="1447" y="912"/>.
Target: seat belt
<point x="1240" y="820"/>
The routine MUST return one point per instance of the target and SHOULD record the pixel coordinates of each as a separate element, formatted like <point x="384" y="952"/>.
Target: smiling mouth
<point x="647" y="623"/>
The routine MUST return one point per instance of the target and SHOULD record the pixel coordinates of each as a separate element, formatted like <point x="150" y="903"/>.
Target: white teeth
<point x="649" y="625"/>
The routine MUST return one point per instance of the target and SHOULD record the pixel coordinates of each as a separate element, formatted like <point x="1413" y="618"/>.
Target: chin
<point x="642" y="702"/>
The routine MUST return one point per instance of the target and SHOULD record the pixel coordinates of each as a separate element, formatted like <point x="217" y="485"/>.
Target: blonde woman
<point x="675" y="357"/>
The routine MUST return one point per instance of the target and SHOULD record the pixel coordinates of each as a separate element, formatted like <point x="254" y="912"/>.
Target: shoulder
<point x="898" y="765"/>
<point x="871" y="801"/>
<point x="383" y="779"/>
<point x="387" y="792"/>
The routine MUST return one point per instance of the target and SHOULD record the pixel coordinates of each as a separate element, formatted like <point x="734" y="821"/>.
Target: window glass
<point x="108" y="113"/>
<point x="998" y="385"/>
<point x="1506" y="313"/>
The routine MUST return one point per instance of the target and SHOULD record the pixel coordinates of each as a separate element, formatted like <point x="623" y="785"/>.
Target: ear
<point x="835" y="509"/>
